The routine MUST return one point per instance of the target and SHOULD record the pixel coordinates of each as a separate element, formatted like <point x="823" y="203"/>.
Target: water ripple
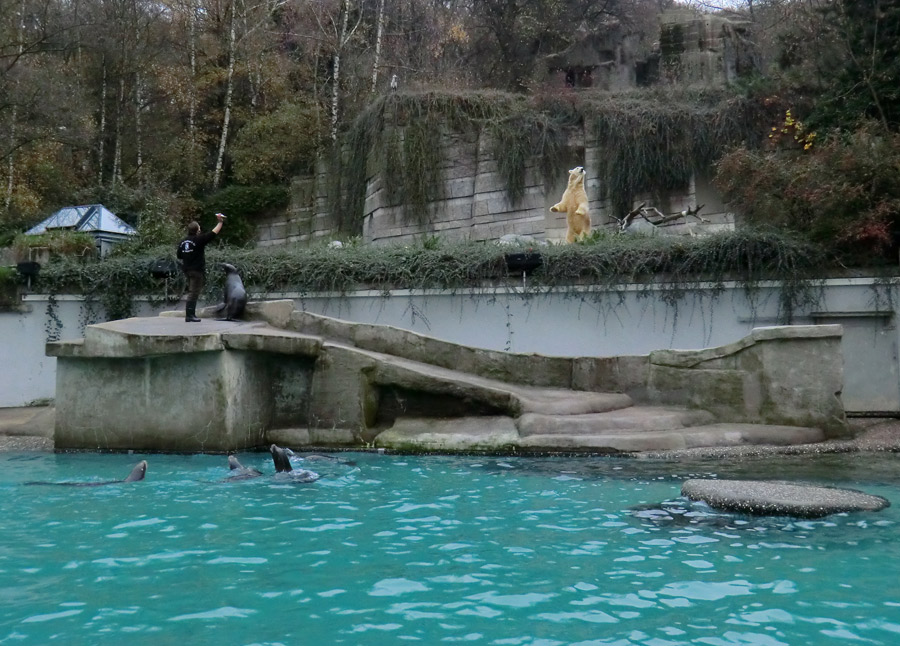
<point x="396" y="587"/>
<point x="51" y="616"/>
<point x="224" y="612"/>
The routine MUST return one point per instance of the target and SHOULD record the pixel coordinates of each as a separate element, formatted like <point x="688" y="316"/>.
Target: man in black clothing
<point x="191" y="253"/>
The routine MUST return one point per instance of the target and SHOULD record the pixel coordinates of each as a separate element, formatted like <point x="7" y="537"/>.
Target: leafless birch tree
<point x="229" y="92"/>
<point x="379" y="34"/>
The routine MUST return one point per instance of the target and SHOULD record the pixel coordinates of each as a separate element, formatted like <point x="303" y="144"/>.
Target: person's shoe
<point x="190" y="313"/>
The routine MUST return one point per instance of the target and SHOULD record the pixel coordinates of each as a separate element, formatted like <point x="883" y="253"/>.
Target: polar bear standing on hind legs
<point x="574" y="203"/>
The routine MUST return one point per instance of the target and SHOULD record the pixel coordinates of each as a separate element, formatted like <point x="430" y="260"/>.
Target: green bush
<point x="667" y="264"/>
<point x="277" y="146"/>
<point x="9" y="282"/>
<point x="63" y="243"/>
<point x="241" y="206"/>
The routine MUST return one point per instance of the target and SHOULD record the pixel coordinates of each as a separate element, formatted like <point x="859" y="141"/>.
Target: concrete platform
<point x="164" y="384"/>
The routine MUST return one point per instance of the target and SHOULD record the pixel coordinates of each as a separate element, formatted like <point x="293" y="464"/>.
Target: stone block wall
<point x="475" y="205"/>
<point x="306" y="220"/>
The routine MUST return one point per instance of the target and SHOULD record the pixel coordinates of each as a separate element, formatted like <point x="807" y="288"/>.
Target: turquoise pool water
<point x="476" y="550"/>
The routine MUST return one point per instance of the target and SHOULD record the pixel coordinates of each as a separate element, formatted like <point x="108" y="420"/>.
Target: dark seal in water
<point x="137" y="473"/>
<point x="283" y="468"/>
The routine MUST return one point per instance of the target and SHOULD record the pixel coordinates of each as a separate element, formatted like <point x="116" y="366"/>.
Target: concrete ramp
<point x="515" y="399"/>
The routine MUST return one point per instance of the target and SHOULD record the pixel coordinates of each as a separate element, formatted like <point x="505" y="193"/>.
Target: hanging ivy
<point x="649" y="140"/>
<point x="667" y="267"/>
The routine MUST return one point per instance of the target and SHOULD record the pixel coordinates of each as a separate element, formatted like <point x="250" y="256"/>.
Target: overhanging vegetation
<point x="651" y="140"/>
<point x="666" y="265"/>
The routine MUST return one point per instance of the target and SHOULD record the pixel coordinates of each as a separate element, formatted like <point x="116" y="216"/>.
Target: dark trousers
<point x="195" y="282"/>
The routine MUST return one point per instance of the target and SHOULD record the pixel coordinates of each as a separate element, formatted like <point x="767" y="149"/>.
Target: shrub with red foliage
<point x="843" y="192"/>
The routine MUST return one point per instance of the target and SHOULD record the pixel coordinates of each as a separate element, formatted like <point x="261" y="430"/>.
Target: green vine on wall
<point x="649" y="140"/>
<point x="54" y="325"/>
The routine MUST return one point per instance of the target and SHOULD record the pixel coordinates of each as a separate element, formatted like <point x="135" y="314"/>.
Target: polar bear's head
<point x="576" y="176"/>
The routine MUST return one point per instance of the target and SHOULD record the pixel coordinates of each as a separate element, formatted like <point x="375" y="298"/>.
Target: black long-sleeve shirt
<point x="191" y="251"/>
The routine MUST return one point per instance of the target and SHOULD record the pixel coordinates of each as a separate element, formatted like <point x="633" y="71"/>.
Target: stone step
<point x="763" y="498"/>
<point x="625" y="420"/>
<point x="709" y="435"/>
<point x="550" y="402"/>
<point x="500" y="433"/>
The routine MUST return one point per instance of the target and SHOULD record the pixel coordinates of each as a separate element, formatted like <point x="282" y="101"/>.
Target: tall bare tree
<point x="14" y="113"/>
<point x="229" y="93"/>
<point x="379" y="34"/>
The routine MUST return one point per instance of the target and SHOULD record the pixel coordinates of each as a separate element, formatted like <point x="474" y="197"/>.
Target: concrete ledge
<point x="784" y="375"/>
<point x="776" y="332"/>
<point x="144" y="337"/>
<point x="691" y="358"/>
<point x="65" y="348"/>
<point x="275" y="341"/>
<point x="458" y="434"/>
<point x="780" y="498"/>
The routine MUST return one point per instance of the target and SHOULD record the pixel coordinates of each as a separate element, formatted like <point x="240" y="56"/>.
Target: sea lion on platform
<point x="137" y="473"/>
<point x="239" y="471"/>
<point x="235" y="294"/>
<point x="283" y="468"/>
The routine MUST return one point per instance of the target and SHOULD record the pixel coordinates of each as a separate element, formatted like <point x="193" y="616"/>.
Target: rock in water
<point x="778" y="498"/>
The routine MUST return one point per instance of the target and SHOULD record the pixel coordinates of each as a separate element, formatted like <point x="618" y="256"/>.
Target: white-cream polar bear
<point x="574" y="203"/>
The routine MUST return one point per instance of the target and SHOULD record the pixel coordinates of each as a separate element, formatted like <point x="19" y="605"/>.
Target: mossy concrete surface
<point x="306" y="380"/>
<point x="785" y="375"/>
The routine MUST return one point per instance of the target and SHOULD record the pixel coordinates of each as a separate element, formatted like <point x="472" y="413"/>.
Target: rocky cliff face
<point x="687" y="48"/>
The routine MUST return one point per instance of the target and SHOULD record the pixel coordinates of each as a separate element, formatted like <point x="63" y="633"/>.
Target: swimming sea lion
<point x="137" y="473"/>
<point x="235" y="294"/>
<point x="284" y="469"/>
<point x="239" y="471"/>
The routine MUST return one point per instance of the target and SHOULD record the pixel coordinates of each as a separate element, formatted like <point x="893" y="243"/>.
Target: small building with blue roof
<point x="94" y="219"/>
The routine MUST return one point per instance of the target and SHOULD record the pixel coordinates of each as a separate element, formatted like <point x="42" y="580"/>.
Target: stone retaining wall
<point x="475" y="205"/>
